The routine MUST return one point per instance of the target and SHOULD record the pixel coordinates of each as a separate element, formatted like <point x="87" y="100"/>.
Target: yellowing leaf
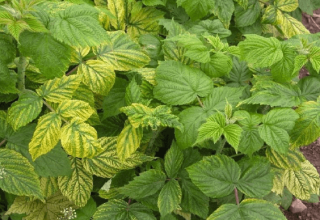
<point x="46" y="135"/>
<point x="287" y="5"/>
<point x="107" y="163"/>
<point x="117" y="8"/>
<point x="97" y="75"/>
<point x="79" y="139"/>
<point x="121" y="53"/>
<point x="49" y="186"/>
<point x="26" y="109"/>
<point x="129" y="141"/>
<point x="75" y="108"/>
<point x="59" y="89"/>
<point x="290" y="26"/>
<point x="78" y="186"/>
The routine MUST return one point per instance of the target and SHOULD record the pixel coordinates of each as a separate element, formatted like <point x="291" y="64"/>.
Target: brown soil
<point x="311" y="152"/>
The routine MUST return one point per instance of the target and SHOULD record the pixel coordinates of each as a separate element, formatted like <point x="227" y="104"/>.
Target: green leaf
<point x="248" y="15"/>
<point x="115" y="99"/>
<point x="315" y="58"/>
<point x="178" y="84"/>
<point x="133" y="93"/>
<point x="284" y="69"/>
<point x="173" y="160"/>
<point x="215" y="175"/>
<point x="78" y="25"/>
<point x="260" y="51"/>
<point x="275" y="94"/>
<point x="87" y="211"/>
<point x="308" y="6"/>
<point x="8" y="79"/>
<point x="218" y="66"/>
<point x="195" y="49"/>
<point x="49" y="55"/>
<point x="250" y="139"/>
<point x="256" y="178"/>
<point x="75" y="108"/>
<point x="224" y="10"/>
<point x="141" y="115"/>
<point x="107" y="163"/>
<point x="239" y="74"/>
<point x="302" y="183"/>
<point x="286" y="199"/>
<point x="193" y="200"/>
<point x="275" y="127"/>
<point x="97" y="75"/>
<point x="310" y="88"/>
<point x="121" y="53"/>
<point x="290" y="161"/>
<point x="196" y="9"/>
<point x="59" y="89"/>
<point x="18" y="176"/>
<point x="286" y="5"/>
<point x="25" y="110"/>
<point x="152" y="2"/>
<point x="129" y="141"/>
<point x="307" y="127"/>
<point x="210" y="27"/>
<point x="148" y="183"/>
<point x="270" y="15"/>
<point x="253" y="209"/>
<point x="5" y="129"/>
<point x="212" y="129"/>
<point x="120" y="210"/>
<point x="78" y="186"/>
<point x="8" y="48"/>
<point x="79" y="139"/>
<point x="169" y="197"/>
<point x="232" y="133"/>
<point x="46" y="135"/>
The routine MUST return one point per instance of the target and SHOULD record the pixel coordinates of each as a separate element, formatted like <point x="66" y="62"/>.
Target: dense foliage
<point x="156" y="109"/>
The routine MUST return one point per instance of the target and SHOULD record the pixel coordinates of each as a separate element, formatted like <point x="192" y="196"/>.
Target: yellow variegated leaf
<point x="75" y="108"/>
<point x="49" y="186"/>
<point x="83" y="93"/>
<point x="290" y="26"/>
<point x="78" y="54"/>
<point x="121" y="53"/>
<point x="302" y="183"/>
<point x="97" y="75"/>
<point x="79" y="139"/>
<point x="59" y="89"/>
<point x="107" y="163"/>
<point x="287" y="5"/>
<point x="25" y="110"/>
<point x="46" y="136"/>
<point x="278" y="183"/>
<point x="36" y="210"/>
<point x="291" y="160"/>
<point x="117" y="8"/>
<point x="149" y="74"/>
<point x="141" y="115"/>
<point x="129" y="141"/>
<point x="78" y="186"/>
<point x="143" y="20"/>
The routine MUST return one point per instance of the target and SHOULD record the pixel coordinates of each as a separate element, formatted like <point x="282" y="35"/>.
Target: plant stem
<point x="71" y="71"/>
<point x="21" y="72"/>
<point x="2" y="142"/>
<point x="236" y="195"/>
<point x="51" y="109"/>
<point x="219" y="150"/>
<point x="200" y="102"/>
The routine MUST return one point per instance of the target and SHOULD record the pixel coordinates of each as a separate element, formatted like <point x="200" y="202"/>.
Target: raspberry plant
<point x="156" y="109"/>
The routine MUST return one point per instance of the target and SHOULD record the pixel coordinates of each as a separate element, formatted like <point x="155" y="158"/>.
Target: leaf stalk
<point x="21" y="72"/>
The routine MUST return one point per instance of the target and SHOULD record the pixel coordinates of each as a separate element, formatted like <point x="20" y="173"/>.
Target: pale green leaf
<point x="299" y="62"/>
<point x="173" y="160"/>
<point x="25" y="110"/>
<point x="249" y="209"/>
<point x="59" y="89"/>
<point x="196" y="9"/>
<point x="232" y="133"/>
<point x="80" y="139"/>
<point x="46" y="135"/>
<point x="260" y="51"/>
<point x="275" y="127"/>
<point x="178" y="84"/>
<point x="16" y="27"/>
<point x="107" y="163"/>
<point x="286" y="5"/>
<point x="218" y="66"/>
<point x="169" y="197"/>
<point x="210" y="28"/>
<point x="153" y="2"/>
<point x="315" y="58"/>
<point x="120" y="210"/>
<point x="302" y="183"/>
<point x="78" y="25"/>
<point x="75" y="108"/>
<point x="215" y="176"/>
<point x="17" y="175"/>
<point x="141" y="115"/>
<point x="121" y="53"/>
<point x="211" y="130"/>
<point x="224" y="10"/>
<point x="97" y="75"/>
<point x="78" y="186"/>
<point x="128" y="141"/>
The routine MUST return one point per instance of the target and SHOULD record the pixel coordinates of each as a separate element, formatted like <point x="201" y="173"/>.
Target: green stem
<point x="2" y="142"/>
<point x="219" y="150"/>
<point x="200" y="102"/>
<point x="21" y="72"/>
